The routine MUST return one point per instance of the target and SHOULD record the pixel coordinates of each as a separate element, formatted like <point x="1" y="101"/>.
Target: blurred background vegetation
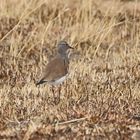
<point x="101" y="97"/>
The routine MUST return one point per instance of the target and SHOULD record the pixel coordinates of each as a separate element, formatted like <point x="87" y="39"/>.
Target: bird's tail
<point x="40" y="82"/>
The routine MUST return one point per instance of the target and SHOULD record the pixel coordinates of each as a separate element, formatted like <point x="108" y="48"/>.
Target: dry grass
<point x="100" y="99"/>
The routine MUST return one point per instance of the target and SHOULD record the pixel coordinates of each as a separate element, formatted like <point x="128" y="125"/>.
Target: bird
<point x="56" y="70"/>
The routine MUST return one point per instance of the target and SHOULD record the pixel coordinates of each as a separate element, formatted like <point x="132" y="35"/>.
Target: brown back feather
<point x="55" y="69"/>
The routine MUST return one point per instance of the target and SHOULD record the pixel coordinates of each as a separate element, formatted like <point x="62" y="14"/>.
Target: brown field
<point x="101" y="98"/>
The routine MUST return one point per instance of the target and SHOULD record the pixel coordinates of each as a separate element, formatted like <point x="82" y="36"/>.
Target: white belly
<point x="58" y="81"/>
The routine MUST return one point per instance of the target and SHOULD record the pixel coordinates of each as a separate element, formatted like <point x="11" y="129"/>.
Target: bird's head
<point x="63" y="46"/>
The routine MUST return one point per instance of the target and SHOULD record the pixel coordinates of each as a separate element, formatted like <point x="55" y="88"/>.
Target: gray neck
<point x="64" y="56"/>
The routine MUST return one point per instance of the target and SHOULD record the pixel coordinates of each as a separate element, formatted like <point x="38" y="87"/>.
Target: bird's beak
<point x="71" y="47"/>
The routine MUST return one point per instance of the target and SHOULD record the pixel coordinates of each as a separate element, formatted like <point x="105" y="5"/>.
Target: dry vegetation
<point x="100" y="99"/>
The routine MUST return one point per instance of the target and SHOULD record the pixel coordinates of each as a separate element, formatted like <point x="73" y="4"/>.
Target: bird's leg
<point x="55" y="96"/>
<point x="53" y="91"/>
<point x="67" y="95"/>
<point x="59" y="93"/>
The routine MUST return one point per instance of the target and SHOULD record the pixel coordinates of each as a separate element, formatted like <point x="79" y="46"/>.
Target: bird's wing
<point x="55" y="69"/>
